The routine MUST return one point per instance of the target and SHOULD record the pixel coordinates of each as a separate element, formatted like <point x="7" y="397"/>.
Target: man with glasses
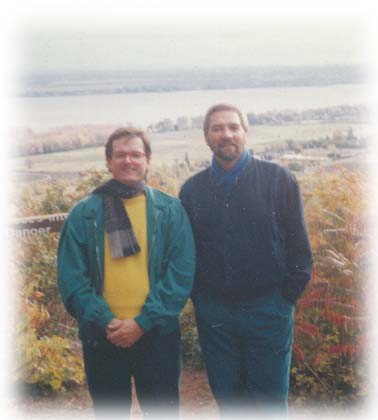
<point x="253" y="263"/>
<point x="125" y="270"/>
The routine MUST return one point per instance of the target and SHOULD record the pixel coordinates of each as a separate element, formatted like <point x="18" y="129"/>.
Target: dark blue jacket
<point x="252" y="240"/>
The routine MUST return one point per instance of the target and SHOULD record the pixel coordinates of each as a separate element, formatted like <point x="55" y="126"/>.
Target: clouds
<point x="212" y="42"/>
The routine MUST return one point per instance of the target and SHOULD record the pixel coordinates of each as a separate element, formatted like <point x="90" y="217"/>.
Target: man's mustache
<point x="227" y="143"/>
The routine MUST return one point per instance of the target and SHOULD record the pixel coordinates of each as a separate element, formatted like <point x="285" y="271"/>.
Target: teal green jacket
<point x="171" y="262"/>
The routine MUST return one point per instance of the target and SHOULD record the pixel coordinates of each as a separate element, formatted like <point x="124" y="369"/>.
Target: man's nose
<point x="128" y="158"/>
<point x="227" y="133"/>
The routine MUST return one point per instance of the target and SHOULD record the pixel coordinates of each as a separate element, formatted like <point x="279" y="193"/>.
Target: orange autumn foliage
<point x="331" y="316"/>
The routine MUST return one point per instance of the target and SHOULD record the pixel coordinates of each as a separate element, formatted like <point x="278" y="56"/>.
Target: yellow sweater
<point x="126" y="279"/>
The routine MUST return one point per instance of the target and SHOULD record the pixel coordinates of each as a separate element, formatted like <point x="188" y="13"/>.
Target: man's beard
<point x="228" y="156"/>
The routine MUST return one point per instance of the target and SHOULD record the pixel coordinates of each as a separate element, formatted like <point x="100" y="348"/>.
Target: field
<point x="171" y="147"/>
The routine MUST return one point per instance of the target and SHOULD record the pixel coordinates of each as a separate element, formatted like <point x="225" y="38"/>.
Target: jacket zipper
<point x="153" y="239"/>
<point x="98" y="258"/>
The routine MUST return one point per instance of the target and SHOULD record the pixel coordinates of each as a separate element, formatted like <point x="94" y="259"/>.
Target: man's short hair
<point x="224" y="107"/>
<point x="128" y="133"/>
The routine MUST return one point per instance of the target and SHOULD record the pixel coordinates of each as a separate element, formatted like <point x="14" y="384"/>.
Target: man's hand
<point x="123" y="333"/>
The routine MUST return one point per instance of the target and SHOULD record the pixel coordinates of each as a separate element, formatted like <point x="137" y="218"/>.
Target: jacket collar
<point x="94" y="207"/>
<point x="156" y="203"/>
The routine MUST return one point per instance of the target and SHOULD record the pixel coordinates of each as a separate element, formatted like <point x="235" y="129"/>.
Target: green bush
<point x="45" y="353"/>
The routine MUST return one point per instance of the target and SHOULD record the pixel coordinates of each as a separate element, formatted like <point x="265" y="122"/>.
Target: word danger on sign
<point x="36" y="225"/>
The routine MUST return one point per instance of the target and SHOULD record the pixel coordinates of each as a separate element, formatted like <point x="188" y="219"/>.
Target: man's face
<point x="128" y="162"/>
<point x="226" y="137"/>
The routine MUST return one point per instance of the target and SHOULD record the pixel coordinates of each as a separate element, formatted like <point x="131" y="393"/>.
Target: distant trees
<point x="329" y="114"/>
<point x="182" y="123"/>
<point x="60" y="139"/>
<point x="75" y="137"/>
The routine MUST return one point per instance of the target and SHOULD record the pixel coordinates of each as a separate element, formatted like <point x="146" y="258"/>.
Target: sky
<point x="61" y="44"/>
<point x="46" y="35"/>
<point x="212" y="43"/>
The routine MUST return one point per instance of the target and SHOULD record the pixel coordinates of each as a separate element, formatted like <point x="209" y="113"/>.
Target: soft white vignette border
<point x="14" y="15"/>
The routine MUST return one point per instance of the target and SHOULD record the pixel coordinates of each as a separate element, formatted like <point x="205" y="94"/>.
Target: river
<point x="42" y="113"/>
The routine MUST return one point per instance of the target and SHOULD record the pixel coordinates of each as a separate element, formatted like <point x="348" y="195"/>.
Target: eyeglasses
<point x="133" y="156"/>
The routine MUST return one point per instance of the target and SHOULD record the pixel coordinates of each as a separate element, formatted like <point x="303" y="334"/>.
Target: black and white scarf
<point x="120" y="232"/>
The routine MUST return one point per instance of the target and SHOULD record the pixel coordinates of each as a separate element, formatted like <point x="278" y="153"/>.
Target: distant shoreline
<point x="84" y="83"/>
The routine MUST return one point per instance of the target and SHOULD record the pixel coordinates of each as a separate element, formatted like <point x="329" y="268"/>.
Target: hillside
<point x="197" y="78"/>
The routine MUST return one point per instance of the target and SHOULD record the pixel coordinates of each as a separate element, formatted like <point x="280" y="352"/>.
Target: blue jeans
<point x="247" y="351"/>
<point x="155" y="364"/>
